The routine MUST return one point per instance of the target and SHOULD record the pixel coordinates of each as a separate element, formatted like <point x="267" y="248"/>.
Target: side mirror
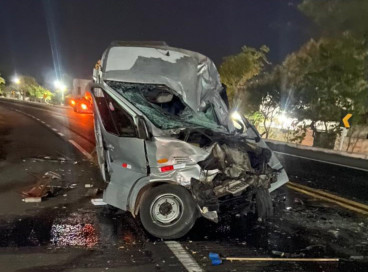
<point x="142" y="129"/>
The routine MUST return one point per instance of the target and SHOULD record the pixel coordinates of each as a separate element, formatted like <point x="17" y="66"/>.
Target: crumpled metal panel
<point x="181" y="176"/>
<point x="274" y="163"/>
<point x="170" y="148"/>
<point x="191" y="75"/>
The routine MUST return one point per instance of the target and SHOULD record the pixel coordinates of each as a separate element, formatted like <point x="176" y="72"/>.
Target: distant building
<point x="80" y="86"/>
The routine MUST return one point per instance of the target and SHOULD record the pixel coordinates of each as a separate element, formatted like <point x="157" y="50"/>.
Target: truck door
<point x="121" y="154"/>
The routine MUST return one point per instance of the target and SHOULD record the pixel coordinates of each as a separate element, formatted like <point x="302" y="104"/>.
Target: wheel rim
<point x="166" y="209"/>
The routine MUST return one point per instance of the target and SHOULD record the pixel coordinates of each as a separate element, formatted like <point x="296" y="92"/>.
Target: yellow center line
<point x="343" y="202"/>
<point x="329" y="195"/>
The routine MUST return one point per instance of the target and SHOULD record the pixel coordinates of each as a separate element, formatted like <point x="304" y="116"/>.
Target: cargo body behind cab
<point x="167" y="146"/>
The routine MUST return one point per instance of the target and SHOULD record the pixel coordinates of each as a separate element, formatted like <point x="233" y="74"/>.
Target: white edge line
<point x="183" y="256"/>
<point x="81" y="149"/>
<point x="333" y="163"/>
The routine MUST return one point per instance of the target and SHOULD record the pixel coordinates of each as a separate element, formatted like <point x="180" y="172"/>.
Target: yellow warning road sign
<point x="345" y="120"/>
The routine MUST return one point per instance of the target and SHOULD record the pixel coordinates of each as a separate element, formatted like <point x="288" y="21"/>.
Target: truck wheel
<point x="264" y="203"/>
<point x="168" y="211"/>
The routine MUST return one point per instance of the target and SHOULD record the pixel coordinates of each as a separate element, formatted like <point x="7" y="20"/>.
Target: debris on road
<point x="98" y="202"/>
<point x="358" y="258"/>
<point x="50" y="184"/>
<point x="56" y="159"/>
<point x="53" y="175"/>
<point x="32" y="199"/>
<point x="287" y="255"/>
<point x="92" y="192"/>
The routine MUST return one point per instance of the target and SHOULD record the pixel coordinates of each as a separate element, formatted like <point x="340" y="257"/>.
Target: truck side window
<point x="123" y="121"/>
<point x="105" y="112"/>
<point x="114" y="118"/>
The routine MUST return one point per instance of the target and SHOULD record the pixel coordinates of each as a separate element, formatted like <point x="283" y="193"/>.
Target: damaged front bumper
<point x="225" y="174"/>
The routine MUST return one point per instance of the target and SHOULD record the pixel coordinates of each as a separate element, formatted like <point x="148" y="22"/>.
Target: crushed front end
<point x="235" y="173"/>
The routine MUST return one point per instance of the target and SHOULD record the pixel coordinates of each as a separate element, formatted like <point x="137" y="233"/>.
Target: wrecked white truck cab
<point x="166" y="145"/>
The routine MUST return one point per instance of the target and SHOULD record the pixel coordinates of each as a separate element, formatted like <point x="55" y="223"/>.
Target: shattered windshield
<point x="163" y="109"/>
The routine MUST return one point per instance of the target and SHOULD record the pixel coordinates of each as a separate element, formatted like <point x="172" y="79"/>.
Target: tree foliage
<point x="237" y="70"/>
<point x="325" y="80"/>
<point x="29" y="87"/>
<point x="2" y="84"/>
<point x="263" y="96"/>
<point x="334" y="17"/>
<point x="343" y="19"/>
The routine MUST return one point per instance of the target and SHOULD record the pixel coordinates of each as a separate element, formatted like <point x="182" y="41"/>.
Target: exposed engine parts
<point x="234" y="172"/>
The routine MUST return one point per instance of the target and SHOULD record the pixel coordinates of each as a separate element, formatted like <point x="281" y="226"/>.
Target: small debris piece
<point x="288" y="255"/>
<point x="98" y="202"/>
<point x="39" y="190"/>
<point x="52" y="175"/>
<point x="335" y="233"/>
<point x="43" y="187"/>
<point x="32" y="199"/>
<point x="357" y="258"/>
<point x="92" y="192"/>
<point x="88" y="185"/>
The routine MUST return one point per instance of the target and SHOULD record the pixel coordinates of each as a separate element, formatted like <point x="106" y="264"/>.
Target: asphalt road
<point x="341" y="180"/>
<point x="67" y="233"/>
<point x="75" y="126"/>
<point x="341" y="175"/>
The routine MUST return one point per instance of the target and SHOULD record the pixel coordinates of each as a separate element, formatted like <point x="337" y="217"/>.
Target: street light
<point x="16" y="80"/>
<point x="61" y="87"/>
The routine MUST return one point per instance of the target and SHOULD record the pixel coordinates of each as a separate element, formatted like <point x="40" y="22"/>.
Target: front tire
<point x="168" y="211"/>
<point x="264" y="203"/>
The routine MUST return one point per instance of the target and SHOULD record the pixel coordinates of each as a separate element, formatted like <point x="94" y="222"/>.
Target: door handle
<point x="110" y="147"/>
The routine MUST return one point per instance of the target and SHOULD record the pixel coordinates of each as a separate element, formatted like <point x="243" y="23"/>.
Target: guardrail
<point x="312" y="148"/>
<point x="352" y="160"/>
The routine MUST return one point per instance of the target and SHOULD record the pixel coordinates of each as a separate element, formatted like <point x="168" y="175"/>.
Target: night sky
<point x="49" y="38"/>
